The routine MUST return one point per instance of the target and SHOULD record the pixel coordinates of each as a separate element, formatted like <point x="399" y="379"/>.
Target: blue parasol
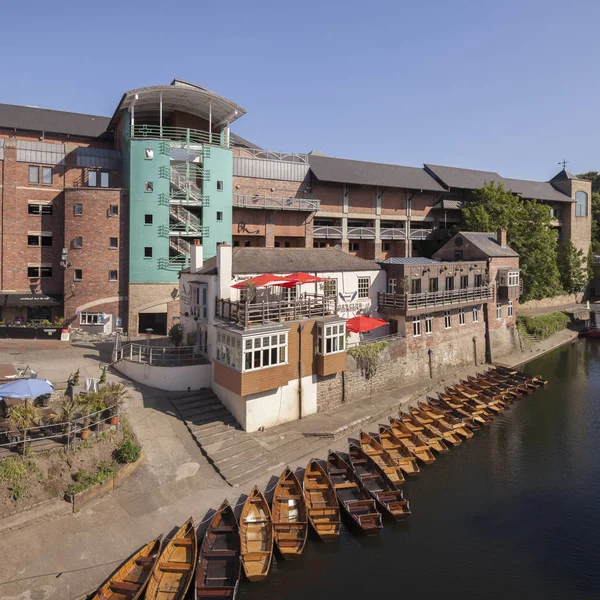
<point x="26" y="388"/>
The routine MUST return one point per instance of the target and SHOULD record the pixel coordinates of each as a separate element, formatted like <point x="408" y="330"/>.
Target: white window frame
<point x="199" y="304"/>
<point x="45" y="171"/>
<point x="92" y="179"/>
<point x="416" y="323"/>
<point x="513" y="278"/>
<point x="461" y="316"/>
<point x="233" y="348"/>
<point x="363" y="292"/>
<point x="327" y="285"/>
<point x="498" y="311"/>
<point x="149" y="153"/>
<point x="476" y="310"/>
<point x="331" y="338"/>
<point x="447" y="319"/>
<point x="509" y="312"/>
<point x="392" y="285"/>
<point x="428" y="324"/>
<point x="89" y="318"/>
<point x="40" y="206"/>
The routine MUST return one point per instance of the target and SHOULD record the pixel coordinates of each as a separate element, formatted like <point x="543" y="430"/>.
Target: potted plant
<point x="96" y="406"/>
<point x="24" y="416"/>
<point x="76" y="378"/>
<point x="67" y="410"/>
<point x="83" y="406"/>
<point x="113" y="394"/>
<point x="103" y="376"/>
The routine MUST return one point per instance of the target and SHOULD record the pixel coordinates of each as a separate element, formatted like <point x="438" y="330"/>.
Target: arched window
<point x="581" y="204"/>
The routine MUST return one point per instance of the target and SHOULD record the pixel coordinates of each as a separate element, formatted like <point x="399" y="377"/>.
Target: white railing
<point x="269" y="155"/>
<point x="185" y="216"/>
<point x="163" y="356"/>
<point x="180" y="245"/>
<point x="184" y="184"/>
<point x="182" y="134"/>
<point x="361" y="233"/>
<point x="407" y="302"/>
<point x="392" y="233"/>
<point x="275" y="203"/>
<point x="327" y="231"/>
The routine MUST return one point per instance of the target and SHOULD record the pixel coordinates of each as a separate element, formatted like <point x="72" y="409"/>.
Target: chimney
<point x="197" y="257"/>
<point x="501" y="237"/>
<point x="225" y="269"/>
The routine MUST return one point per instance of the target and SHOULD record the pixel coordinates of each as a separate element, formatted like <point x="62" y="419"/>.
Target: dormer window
<point x="331" y="337"/>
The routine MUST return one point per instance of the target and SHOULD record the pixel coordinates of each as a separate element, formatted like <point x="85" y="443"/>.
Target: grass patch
<point x="15" y="469"/>
<point x="82" y="480"/>
<point x="127" y="452"/>
<point x="18" y="491"/>
<point x="543" y="326"/>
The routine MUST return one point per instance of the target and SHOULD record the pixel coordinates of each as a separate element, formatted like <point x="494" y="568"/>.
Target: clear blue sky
<point x="510" y="85"/>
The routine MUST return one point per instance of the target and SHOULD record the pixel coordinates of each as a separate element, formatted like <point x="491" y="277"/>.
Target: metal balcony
<point x="361" y="233"/>
<point x="275" y="203"/>
<point x="327" y="231"/>
<point x="392" y="233"/>
<point x="269" y="155"/>
<point x="181" y="134"/>
<point x="409" y="303"/>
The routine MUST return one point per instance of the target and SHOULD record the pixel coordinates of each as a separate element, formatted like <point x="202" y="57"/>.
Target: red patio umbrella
<point x="296" y="278"/>
<point x="262" y="281"/>
<point x="364" y="324"/>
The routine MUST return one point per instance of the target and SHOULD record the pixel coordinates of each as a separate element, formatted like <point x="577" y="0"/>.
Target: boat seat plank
<point x="257" y="521"/>
<point x="343" y="486"/>
<point x="286" y="498"/>
<point x="123" y="586"/>
<point x="183" y="542"/>
<point x="144" y="560"/>
<point x="180" y="567"/>
<point x="257" y="555"/>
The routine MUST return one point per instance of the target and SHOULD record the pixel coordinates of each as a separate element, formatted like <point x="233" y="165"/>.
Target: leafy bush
<point x="176" y="334"/>
<point x="14" y="469"/>
<point x="103" y="376"/>
<point x="543" y="326"/>
<point x="18" y="491"/>
<point x="367" y="357"/>
<point x="84" y="480"/>
<point x="127" y="452"/>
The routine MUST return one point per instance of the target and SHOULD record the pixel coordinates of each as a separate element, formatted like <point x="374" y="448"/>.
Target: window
<point x="476" y="310"/>
<point x="251" y="353"/>
<point x="464" y="282"/>
<point x="39" y="209"/>
<point x="104" y="179"/>
<point x="556" y="213"/>
<point x="113" y="210"/>
<point x="415" y="286"/>
<point x="34" y="174"/>
<point x="331" y="338"/>
<point x="78" y="242"/>
<point x="148" y="252"/>
<point x="277" y="244"/>
<point x="581" y="204"/>
<point x="392" y="285"/>
<point x="148" y="219"/>
<point x="92" y="178"/>
<point x="461" y="316"/>
<point x="478" y="282"/>
<point x="149" y="154"/>
<point x="220" y="186"/>
<point x="449" y="284"/>
<point x="39" y="271"/>
<point x="433" y="284"/>
<point x="46" y="175"/>
<point x="458" y="254"/>
<point x="416" y="321"/>
<point x="78" y="209"/>
<point x="236" y="243"/>
<point x="447" y="319"/>
<point x="199" y="304"/>
<point x="247" y="244"/>
<point x="354" y="247"/>
<point x="363" y="287"/>
<point x="286" y="244"/>
<point x="148" y="186"/>
<point x="510" y="308"/>
<point x="385" y="246"/>
<point x="513" y="278"/>
<point x="499" y="310"/>
<point x="428" y="323"/>
<point x="90" y="318"/>
<point x="39" y="239"/>
<point x="112" y="275"/>
<point x="330" y="288"/>
<point x="78" y="276"/>
<point x="219" y="215"/>
<point x="113" y="242"/>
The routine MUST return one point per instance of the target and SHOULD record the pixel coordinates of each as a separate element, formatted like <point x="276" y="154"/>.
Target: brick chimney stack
<point x="501" y="237"/>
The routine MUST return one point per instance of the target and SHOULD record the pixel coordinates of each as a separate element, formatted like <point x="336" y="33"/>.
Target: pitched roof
<point x="30" y="118"/>
<point x="248" y="261"/>
<point x="407" y="260"/>
<point x="487" y="243"/>
<point x="358" y="172"/>
<point x="447" y="203"/>
<point x="455" y="177"/>
<point x="239" y="141"/>
<point x="563" y="175"/>
<point x="535" y="190"/>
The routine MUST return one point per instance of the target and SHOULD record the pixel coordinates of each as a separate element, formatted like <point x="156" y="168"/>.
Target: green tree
<point x="590" y="264"/>
<point x="529" y="233"/>
<point x="176" y="334"/>
<point x="573" y="272"/>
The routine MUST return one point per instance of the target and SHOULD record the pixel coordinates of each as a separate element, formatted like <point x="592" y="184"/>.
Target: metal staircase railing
<point x="183" y="184"/>
<point x="179" y="245"/>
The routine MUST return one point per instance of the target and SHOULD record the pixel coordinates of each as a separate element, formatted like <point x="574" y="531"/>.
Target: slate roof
<point x="290" y="260"/>
<point x="536" y="190"/>
<point x="455" y="177"/>
<point x="564" y="175"/>
<point x="407" y="260"/>
<point x="448" y="204"/>
<point x="487" y="243"/>
<point x="30" y="118"/>
<point x="358" y="172"/>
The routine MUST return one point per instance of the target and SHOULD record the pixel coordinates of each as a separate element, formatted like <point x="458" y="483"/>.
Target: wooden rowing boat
<point x="439" y="427"/>
<point x="173" y="571"/>
<point x="352" y="495"/>
<point x="431" y="437"/>
<point x="219" y="566"/>
<point x="457" y="425"/>
<point x="290" y="523"/>
<point x="411" y="441"/>
<point x="321" y="502"/>
<point x="130" y="579"/>
<point x="256" y="536"/>
<point x="401" y="455"/>
<point x="382" y="457"/>
<point x="477" y="413"/>
<point x="375" y="480"/>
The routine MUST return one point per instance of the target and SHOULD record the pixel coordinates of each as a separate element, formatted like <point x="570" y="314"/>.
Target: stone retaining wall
<point x="553" y="301"/>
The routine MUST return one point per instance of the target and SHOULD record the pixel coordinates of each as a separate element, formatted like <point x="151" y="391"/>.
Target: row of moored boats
<point x="363" y="484"/>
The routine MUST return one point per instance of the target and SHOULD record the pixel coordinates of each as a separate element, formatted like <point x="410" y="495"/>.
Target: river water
<point x="512" y="513"/>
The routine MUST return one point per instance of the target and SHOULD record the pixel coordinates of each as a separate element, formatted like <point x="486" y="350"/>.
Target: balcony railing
<point x="167" y="356"/>
<point x="246" y="314"/>
<point x="361" y="233"/>
<point x="409" y="302"/>
<point x="327" y="231"/>
<point x="274" y="203"/>
<point x="269" y="155"/>
<point x="421" y="234"/>
<point x="392" y="233"/>
<point x="182" y="134"/>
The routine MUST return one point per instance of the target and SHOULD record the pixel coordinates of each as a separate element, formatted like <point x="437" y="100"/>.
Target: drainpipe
<point x="300" y="329"/>
<point x="430" y="354"/>
<point x="475" y="349"/>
